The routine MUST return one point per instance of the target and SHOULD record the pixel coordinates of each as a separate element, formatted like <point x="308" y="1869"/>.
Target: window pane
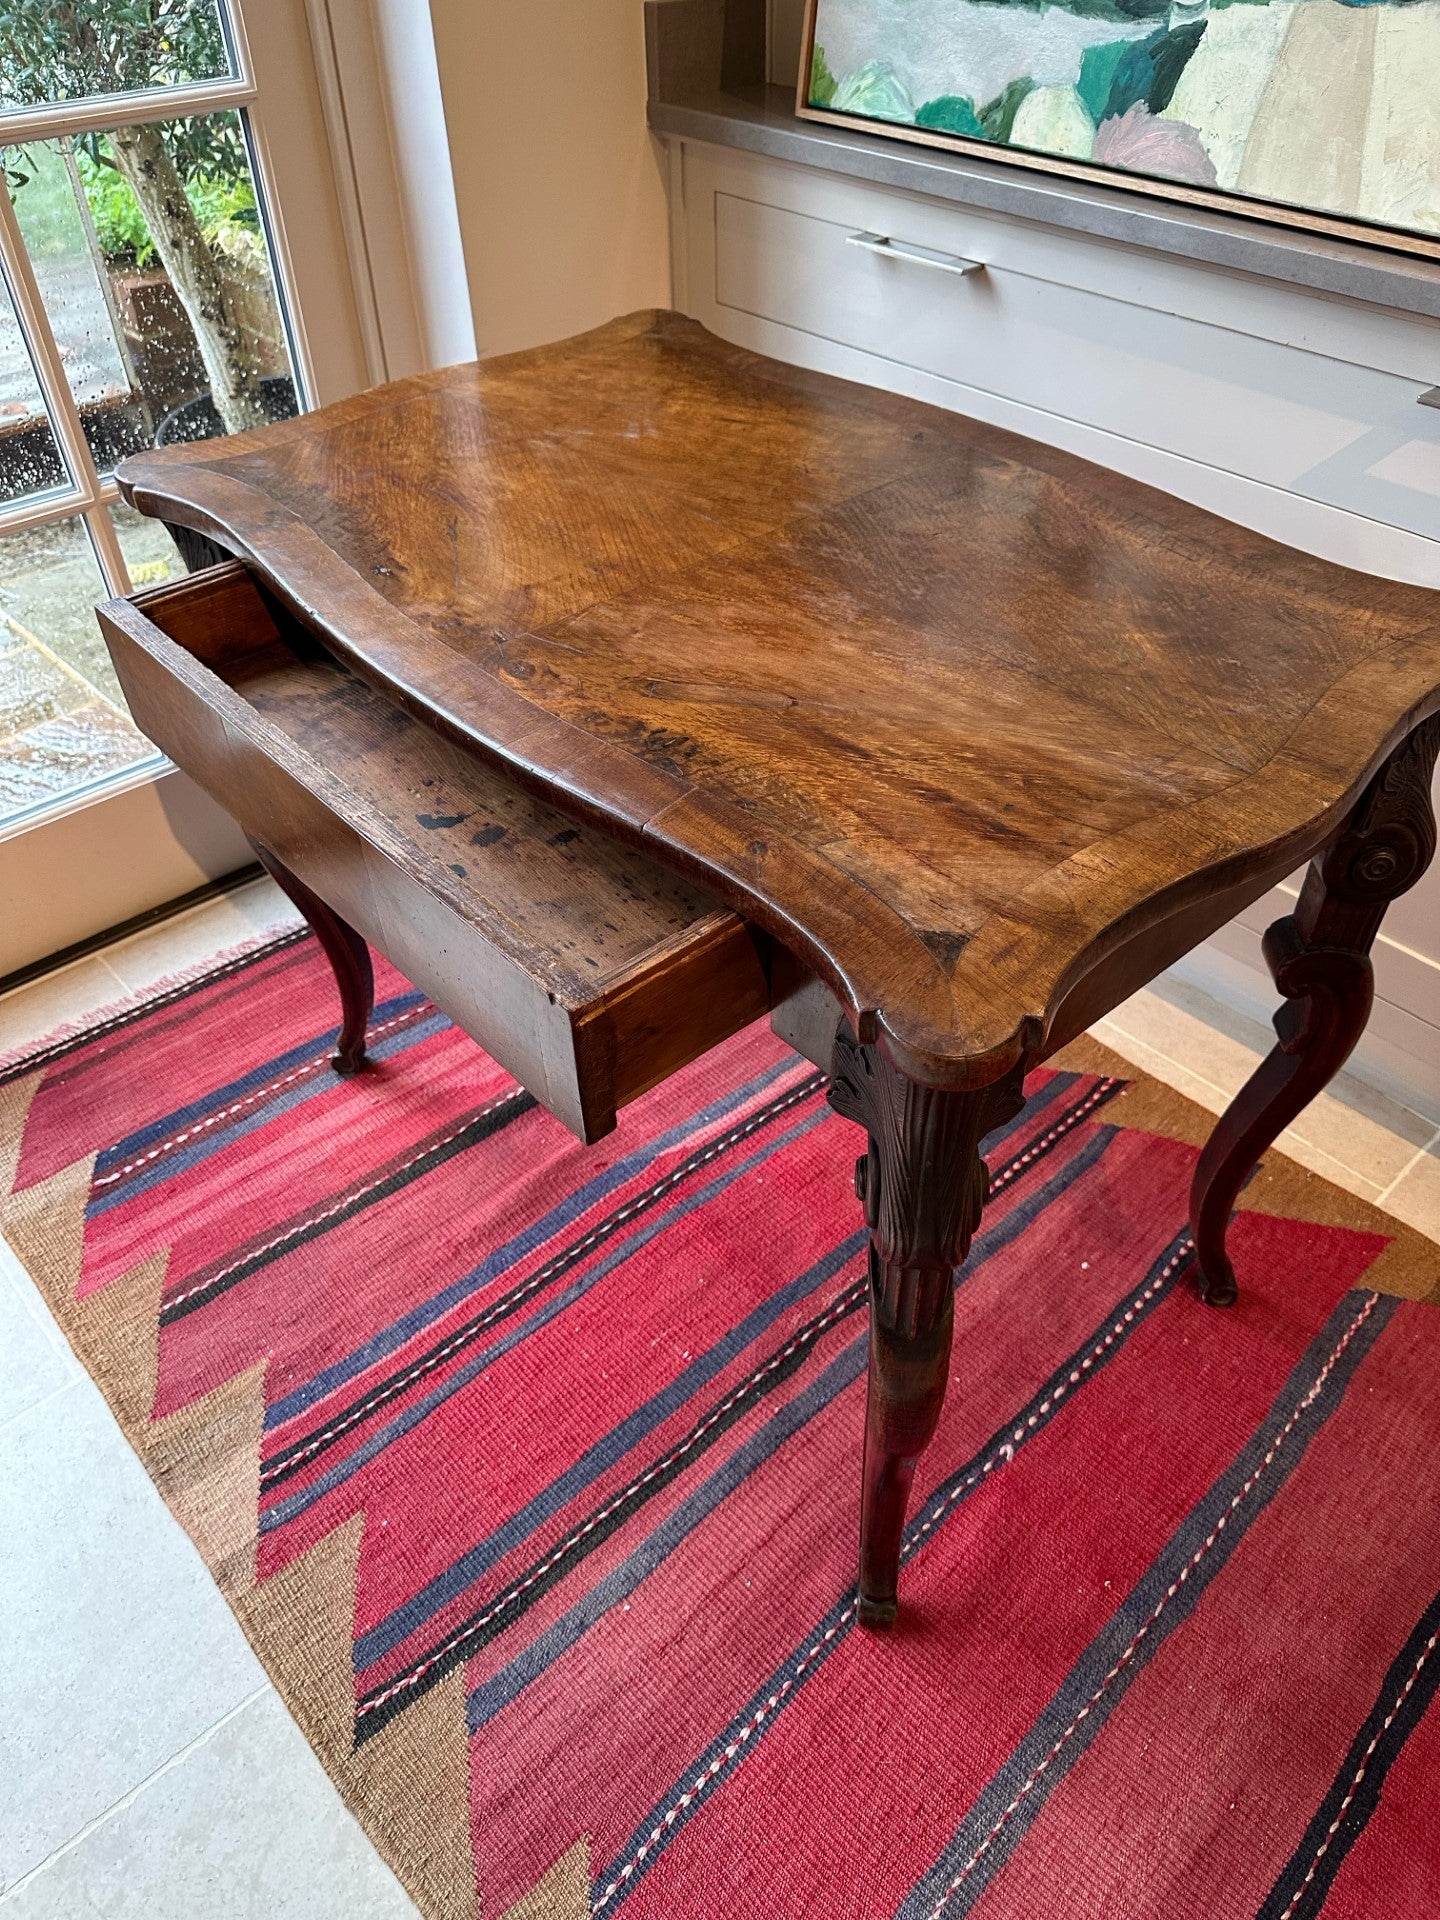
<point x="63" y="243"/>
<point x="150" y="553"/>
<point x="77" y="49"/>
<point x="63" y="726"/>
<point x="30" y="461"/>
<point x="157" y="279"/>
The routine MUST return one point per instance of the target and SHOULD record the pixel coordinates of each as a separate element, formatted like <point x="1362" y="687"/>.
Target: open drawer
<point x="585" y="968"/>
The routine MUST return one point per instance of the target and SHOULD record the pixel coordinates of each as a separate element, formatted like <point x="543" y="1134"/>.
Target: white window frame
<point x="105" y="853"/>
<point x="88" y="493"/>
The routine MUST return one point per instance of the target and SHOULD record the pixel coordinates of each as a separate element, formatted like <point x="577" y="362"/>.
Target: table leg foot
<point x="1217" y="1282"/>
<point x="347" y="953"/>
<point x="923" y="1184"/>
<point x="1319" y="957"/>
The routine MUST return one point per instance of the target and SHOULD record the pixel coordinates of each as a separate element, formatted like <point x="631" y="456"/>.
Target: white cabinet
<point x="1291" y="412"/>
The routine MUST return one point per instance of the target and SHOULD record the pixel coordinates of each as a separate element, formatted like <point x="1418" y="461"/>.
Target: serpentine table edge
<point x="649" y="495"/>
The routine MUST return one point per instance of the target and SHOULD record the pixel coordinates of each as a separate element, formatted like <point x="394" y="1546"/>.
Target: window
<point x="139" y="305"/>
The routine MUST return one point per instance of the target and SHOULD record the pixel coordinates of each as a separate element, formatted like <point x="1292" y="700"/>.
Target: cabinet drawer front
<point x="583" y="966"/>
<point x="1341" y="433"/>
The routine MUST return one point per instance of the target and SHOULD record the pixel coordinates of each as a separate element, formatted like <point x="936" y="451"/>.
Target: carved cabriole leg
<point x="1320" y="958"/>
<point x="348" y="956"/>
<point x="923" y="1185"/>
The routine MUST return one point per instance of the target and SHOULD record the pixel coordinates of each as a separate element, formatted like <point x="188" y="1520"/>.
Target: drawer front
<point x="500" y="1004"/>
<point x="340" y="812"/>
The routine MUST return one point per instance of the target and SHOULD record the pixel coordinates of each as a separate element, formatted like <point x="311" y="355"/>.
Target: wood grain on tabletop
<point x="984" y="734"/>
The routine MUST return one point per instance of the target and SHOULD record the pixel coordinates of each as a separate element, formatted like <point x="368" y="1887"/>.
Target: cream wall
<point x="558" y="183"/>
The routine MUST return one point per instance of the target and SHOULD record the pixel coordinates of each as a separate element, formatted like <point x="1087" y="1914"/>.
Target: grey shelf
<point x="702" y="52"/>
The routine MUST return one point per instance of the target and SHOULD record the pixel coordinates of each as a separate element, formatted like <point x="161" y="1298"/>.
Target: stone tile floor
<point x="150" y="1768"/>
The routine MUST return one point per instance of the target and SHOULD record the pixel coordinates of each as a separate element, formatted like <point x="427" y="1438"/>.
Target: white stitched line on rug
<point x="135" y="1007"/>
<point x="1017" y="1167"/>
<point x="462" y="1338"/>
<point x="1002" y="1456"/>
<point x="1006" y="1452"/>
<point x="1313" y="1393"/>
<point x="473" y="1627"/>
<point x="703" y="1780"/>
<point x="239" y="1106"/>
<point x="345" y="1200"/>
<point x="826" y="1320"/>
<point x="1388" y="1722"/>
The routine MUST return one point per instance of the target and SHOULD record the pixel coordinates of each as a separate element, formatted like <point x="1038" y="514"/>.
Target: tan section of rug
<point x="564" y="1893"/>
<point x="15" y="1102"/>
<point x="407" y="1785"/>
<point x="206" y="1462"/>
<point x="1409" y="1266"/>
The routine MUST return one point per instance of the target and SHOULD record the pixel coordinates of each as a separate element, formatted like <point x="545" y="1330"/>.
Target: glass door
<point x="146" y="298"/>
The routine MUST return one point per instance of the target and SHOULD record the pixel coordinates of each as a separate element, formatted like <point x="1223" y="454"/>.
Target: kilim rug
<point x="532" y="1475"/>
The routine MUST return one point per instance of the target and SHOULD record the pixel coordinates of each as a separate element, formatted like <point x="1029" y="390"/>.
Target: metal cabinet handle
<point x="1431" y="399"/>
<point x="922" y="256"/>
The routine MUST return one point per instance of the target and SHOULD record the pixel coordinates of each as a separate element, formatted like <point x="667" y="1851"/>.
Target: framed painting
<point x="1315" y="113"/>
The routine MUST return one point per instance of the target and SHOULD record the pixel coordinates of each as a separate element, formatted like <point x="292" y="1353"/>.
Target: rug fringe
<point x="276" y="934"/>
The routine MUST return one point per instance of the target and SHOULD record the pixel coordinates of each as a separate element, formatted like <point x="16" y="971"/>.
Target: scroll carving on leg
<point x="923" y="1186"/>
<point x="347" y="953"/>
<point x="1320" y="959"/>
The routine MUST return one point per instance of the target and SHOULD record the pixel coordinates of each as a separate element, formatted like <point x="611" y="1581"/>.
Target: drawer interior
<point x="459" y="866"/>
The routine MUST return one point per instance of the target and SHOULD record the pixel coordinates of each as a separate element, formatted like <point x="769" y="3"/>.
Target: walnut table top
<point x="892" y="709"/>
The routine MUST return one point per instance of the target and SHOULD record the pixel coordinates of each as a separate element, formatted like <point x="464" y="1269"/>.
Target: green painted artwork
<point x="1327" y="107"/>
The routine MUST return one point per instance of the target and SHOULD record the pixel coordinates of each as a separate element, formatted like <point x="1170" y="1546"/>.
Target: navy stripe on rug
<point x="507" y="1685"/>
<point x="488" y="1699"/>
<point x="1401" y="1703"/>
<point x="428" y="1312"/>
<point x="211" y="1140"/>
<point x="198" y="1291"/>
<point x="606" y="1453"/>
<point x="283" y="1511"/>
<point x="314" y="1048"/>
<point x="297" y="1454"/>
<point x="735" y="1743"/>
<point x="440" y="1591"/>
<point x="1161" y="1602"/>
<point x="501" y="1611"/>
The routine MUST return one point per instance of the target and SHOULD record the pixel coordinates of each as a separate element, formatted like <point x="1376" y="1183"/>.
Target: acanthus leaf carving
<point x="922" y="1179"/>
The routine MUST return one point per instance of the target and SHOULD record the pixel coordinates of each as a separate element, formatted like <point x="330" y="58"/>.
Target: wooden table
<point x="624" y="690"/>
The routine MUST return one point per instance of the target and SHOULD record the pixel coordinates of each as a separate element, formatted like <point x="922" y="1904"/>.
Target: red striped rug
<point x="532" y="1474"/>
